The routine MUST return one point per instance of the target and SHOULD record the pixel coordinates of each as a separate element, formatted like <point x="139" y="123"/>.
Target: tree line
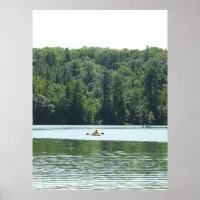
<point x="95" y="86"/>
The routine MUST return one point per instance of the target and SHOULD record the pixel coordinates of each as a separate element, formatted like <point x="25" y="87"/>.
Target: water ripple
<point x="102" y="165"/>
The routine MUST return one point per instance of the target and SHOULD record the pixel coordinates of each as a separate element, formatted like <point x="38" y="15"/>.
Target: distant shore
<point x="53" y="127"/>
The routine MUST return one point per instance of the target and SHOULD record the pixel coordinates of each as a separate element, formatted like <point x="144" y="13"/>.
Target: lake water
<point x="64" y="157"/>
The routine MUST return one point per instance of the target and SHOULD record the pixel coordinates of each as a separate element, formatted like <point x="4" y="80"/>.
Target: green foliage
<point x="99" y="86"/>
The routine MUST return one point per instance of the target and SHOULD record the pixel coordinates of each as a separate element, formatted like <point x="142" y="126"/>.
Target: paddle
<point x="89" y="134"/>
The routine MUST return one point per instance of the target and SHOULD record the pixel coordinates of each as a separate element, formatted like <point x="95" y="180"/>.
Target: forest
<point x="99" y="86"/>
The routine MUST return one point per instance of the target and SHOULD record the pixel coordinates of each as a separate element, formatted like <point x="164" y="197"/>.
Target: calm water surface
<point x="123" y="158"/>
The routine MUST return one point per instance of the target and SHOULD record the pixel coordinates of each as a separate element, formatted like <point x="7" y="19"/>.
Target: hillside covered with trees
<point x="94" y="86"/>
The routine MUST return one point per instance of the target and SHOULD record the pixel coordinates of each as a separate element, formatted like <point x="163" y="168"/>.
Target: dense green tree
<point x="94" y="85"/>
<point x="77" y="103"/>
<point x="118" y="109"/>
<point x="106" y="109"/>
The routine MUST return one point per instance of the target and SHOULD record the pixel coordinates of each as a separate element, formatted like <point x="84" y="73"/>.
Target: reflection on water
<point x="85" y="164"/>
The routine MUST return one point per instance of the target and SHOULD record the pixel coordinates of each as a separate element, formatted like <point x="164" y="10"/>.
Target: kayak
<point x="95" y="134"/>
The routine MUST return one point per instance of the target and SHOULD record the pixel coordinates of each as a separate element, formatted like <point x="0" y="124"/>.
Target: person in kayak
<point x="96" y="133"/>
